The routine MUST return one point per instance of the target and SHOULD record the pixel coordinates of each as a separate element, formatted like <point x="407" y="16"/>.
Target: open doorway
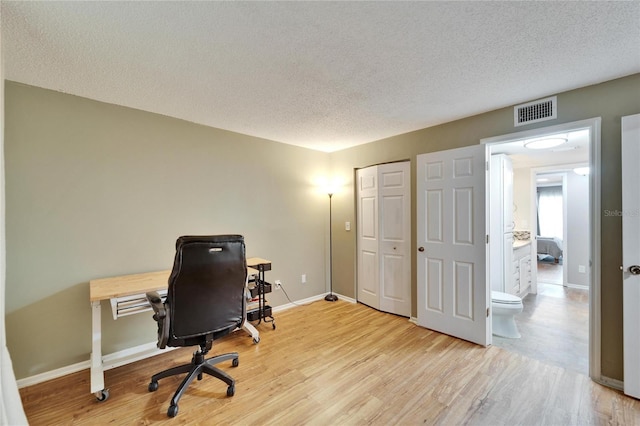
<point x="551" y="220"/>
<point x="553" y="227"/>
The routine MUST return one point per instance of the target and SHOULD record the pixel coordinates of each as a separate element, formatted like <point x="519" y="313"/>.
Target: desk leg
<point x="97" y="373"/>
<point x="249" y="328"/>
<point x="246" y="325"/>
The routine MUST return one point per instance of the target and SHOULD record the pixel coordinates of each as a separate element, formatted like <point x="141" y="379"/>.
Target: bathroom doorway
<point x="564" y="285"/>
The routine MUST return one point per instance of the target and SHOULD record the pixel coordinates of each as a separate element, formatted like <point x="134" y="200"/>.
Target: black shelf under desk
<point x="259" y="287"/>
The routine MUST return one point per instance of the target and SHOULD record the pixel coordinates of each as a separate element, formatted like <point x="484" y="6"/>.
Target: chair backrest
<point x="206" y="287"/>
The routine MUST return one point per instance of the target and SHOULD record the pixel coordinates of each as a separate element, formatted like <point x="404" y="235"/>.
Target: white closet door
<point x="368" y="270"/>
<point x="395" y="238"/>
<point x="384" y="237"/>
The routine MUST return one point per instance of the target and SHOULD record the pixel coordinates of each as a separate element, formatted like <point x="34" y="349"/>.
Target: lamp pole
<point x="330" y="297"/>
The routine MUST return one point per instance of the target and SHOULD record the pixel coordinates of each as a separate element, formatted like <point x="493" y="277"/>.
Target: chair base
<point x="198" y="366"/>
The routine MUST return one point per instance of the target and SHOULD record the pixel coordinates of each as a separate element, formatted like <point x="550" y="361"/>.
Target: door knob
<point x="420" y="248"/>
<point x="634" y="270"/>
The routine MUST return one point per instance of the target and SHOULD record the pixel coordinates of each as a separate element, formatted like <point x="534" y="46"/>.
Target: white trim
<point x="134" y="354"/>
<point x="566" y="254"/>
<point x="562" y="169"/>
<point x="290" y="305"/>
<point x="113" y="360"/>
<point x="595" y="308"/>
<point x="595" y="320"/>
<point x="53" y="374"/>
<point x="345" y="298"/>
<point x="544" y="131"/>
<point x="310" y="300"/>
<point x="577" y="286"/>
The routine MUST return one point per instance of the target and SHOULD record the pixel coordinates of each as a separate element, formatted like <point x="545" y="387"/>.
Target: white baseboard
<point x="112" y="360"/>
<point x="53" y="374"/>
<point x="311" y="300"/>
<point x="297" y="303"/>
<point x="345" y="298"/>
<point x="578" y="286"/>
<point x="137" y="353"/>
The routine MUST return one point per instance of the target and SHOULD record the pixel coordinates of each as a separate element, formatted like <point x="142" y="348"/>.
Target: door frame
<point x="535" y="172"/>
<point x="594" y="127"/>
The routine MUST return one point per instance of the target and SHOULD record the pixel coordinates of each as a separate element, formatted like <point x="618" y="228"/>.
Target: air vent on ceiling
<point x="532" y="112"/>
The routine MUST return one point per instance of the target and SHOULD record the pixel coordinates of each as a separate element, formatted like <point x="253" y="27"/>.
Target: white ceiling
<point x="323" y="75"/>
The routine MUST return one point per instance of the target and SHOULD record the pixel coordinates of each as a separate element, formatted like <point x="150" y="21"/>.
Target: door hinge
<point x="487" y="165"/>
<point x="487" y="312"/>
<point x="487" y="238"/>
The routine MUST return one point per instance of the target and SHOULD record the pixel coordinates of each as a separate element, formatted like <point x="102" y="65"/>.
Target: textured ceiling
<point x="323" y="75"/>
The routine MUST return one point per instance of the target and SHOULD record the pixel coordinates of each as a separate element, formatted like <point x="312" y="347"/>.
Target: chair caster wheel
<point x="256" y="340"/>
<point x="172" y="411"/>
<point x="231" y="390"/>
<point x="274" y="325"/>
<point x="153" y="386"/>
<point x="235" y="362"/>
<point x="102" y="395"/>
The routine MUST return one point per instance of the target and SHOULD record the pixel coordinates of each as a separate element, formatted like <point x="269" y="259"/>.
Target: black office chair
<point x="205" y="301"/>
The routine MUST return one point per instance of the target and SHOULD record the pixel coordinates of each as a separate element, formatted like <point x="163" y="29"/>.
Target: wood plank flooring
<point x="342" y="364"/>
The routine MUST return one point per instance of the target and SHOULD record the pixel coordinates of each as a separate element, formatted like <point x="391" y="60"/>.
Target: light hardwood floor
<point x="342" y="364"/>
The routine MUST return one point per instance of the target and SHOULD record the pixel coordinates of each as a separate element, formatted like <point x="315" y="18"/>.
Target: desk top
<point x="256" y="261"/>
<point x="125" y="285"/>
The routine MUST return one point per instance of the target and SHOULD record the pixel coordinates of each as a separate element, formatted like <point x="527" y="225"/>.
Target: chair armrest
<point x="161" y="316"/>
<point x="156" y="303"/>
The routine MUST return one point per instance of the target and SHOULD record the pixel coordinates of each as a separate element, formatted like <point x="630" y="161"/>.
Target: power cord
<point x="287" y="296"/>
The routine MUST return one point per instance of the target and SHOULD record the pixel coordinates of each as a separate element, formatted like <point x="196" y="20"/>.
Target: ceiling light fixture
<point x="582" y="171"/>
<point x="544" y="143"/>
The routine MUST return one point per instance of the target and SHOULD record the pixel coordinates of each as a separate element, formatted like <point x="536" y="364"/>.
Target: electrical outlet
<point x="278" y="284"/>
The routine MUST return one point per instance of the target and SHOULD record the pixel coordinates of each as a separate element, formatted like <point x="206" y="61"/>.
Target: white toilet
<point x="505" y="306"/>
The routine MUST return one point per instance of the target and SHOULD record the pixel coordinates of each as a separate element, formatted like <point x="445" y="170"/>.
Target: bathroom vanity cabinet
<point x="521" y="282"/>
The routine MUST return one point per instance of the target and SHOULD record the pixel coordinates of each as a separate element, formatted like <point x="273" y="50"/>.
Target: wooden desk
<point x="257" y="262"/>
<point x="127" y="296"/>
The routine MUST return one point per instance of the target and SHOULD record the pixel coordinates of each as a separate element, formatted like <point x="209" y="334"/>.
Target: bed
<point x="550" y="246"/>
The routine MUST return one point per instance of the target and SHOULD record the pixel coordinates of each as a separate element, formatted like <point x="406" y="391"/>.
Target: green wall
<point x="96" y="190"/>
<point x="610" y="100"/>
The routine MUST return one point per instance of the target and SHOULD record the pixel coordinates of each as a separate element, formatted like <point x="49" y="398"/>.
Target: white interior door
<point x="631" y="252"/>
<point x="451" y="221"/>
<point x="368" y="271"/>
<point x="395" y="238"/>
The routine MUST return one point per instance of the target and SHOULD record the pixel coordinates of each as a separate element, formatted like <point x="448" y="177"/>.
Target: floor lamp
<point x="330" y="297"/>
